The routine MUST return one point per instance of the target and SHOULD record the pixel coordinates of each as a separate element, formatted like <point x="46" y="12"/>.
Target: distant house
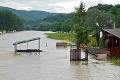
<point x="112" y="37"/>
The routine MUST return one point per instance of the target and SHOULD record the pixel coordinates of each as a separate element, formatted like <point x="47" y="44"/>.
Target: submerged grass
<point x="62" y="36"/>
<point x="115" y="61"/>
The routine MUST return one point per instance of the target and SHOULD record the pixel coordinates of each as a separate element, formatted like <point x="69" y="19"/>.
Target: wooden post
<point x="70" y="55"/>
<point x="15" y="48"/>
<point x="119" y="42"/>
<point x="86" y="54"/>
<point x="119" y="46"/>
<point x="79" y="54"/>
<point x="111" y="49"/>
<point x="106" y="42"/>
<point x="39" y="45"/>
<point x="27" y="45"/>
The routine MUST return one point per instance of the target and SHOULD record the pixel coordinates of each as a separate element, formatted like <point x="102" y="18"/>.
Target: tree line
<point x="61" y="23"/>
<point x="10" y="22"/>
<point x="95" y="18"/>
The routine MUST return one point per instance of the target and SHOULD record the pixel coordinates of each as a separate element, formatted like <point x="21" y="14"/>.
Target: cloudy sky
<point x="58" y="6"/>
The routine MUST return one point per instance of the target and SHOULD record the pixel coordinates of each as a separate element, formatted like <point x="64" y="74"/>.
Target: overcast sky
<point x="58" y="6"/>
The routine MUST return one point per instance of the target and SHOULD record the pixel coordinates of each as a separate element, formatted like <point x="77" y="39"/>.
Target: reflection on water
<point x="52" y="64"/>
<point x="27" y="53"/>
<point x="78" y="63"/>
<point x="61" y="47"/>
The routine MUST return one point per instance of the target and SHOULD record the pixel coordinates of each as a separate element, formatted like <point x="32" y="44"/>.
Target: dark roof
<point x="25" y="41"/>
<point x="115" y="32"/>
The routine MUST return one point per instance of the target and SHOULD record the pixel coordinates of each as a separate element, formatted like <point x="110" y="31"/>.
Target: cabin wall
<point x="115" y="51"/>
<point x="113" y="46"/>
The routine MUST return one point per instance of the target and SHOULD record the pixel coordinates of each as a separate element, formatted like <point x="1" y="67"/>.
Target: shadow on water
<point x="72" y="63"/>
<point x="27" y="53"/>
<point x="61" y="47"/>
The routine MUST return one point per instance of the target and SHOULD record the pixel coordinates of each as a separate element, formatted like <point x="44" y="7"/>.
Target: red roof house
<point x="112" y="37"/>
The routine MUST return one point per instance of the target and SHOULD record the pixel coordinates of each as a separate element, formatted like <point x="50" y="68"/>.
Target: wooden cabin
<point x="112" y="37"/>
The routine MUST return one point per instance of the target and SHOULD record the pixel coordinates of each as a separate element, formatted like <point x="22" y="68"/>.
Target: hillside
<point x="29" y="15"/>
<point x="113" y="9"/>
<point x="59" y="17"/>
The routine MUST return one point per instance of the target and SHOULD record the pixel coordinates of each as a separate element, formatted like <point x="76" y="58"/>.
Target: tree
<point x="98" y="20"/>
<point x="79" y="26"/>
<point x="81" y="35"/>
<point x="9" y="21"/>
<point x="117" y="21"/>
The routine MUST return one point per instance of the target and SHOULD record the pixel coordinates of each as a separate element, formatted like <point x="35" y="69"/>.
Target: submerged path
<point x="52" y="64"/>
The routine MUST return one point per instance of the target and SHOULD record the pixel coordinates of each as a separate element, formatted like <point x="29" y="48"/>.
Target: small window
<point x="116" y="42"/>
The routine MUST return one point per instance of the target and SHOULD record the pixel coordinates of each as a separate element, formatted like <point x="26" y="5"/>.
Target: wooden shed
<point x="112" y="41"/>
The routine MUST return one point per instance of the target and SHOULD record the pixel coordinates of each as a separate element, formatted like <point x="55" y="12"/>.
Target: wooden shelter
<point x="112" y="37"/>
<point x="26" y="41"/>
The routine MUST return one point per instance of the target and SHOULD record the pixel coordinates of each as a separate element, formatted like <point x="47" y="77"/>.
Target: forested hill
<point x="113" y="9"/>
<point x="29" y="15"/>
<point x="107" y="9"/>
<point x="59" y="17"/>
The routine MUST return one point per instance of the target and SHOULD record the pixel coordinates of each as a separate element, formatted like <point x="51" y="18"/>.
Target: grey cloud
<point x="44" y="7"/>
<point x="91" y="3"/>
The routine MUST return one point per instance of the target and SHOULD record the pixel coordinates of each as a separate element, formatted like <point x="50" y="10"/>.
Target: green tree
<point x="79" y="26"/>
<point x="9" y="21"/>
<point x="98" y="20"/>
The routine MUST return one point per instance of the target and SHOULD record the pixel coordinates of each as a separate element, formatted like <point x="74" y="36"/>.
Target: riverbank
<point x="62" y="36"/>
<point x="71" y="38"/>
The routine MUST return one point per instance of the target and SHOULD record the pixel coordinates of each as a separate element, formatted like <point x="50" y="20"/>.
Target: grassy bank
<point x="115" y="61"/>
<point x="62" y="36"/>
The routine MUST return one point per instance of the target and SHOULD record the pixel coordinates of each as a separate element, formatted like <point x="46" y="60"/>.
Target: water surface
<point x="52" y="64"/>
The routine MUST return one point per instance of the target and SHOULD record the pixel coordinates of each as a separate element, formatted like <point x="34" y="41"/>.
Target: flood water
<point x="52" y="64"/>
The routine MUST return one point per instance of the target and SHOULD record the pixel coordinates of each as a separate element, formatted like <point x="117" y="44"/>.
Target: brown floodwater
<point x="52" y="64"/>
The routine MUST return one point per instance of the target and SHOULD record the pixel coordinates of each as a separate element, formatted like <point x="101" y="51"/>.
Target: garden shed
<point x="112" y="41"/>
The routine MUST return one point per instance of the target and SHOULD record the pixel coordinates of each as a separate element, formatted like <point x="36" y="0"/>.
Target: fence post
<point x="39" y="45"/>
<point x="86" y="54"/>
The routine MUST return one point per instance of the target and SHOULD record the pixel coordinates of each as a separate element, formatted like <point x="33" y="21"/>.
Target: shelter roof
<point x="24" y="41"/>
<point x="115" y="32"/>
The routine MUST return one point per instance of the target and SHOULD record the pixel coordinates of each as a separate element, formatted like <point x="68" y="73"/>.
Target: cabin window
<point x="116" y="42"/>
<point x="101" y="34"/>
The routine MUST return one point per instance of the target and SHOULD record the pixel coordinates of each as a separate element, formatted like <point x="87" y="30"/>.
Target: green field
<point x="62" y="36"/>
